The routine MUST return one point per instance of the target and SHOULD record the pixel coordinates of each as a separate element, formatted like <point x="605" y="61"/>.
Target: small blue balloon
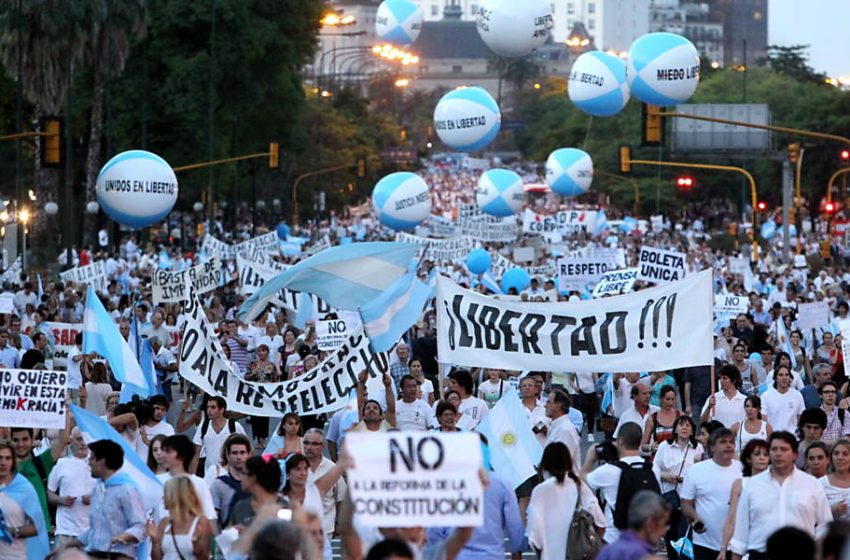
<point x="768" y="229"/>
<point x="478" y="261"/>
<point x="282" y="231"/>
<point x="755" y="357"/>
<point x="516" y="278"/>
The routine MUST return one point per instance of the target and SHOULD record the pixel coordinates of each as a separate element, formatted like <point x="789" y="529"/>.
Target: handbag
<point x="678" y="524"/>
<point x="684" y="547"/>
<point x="583" y="542"/>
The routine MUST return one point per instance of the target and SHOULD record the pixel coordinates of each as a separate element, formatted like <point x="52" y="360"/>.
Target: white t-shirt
<point x="72" y="477"/>
<point x="607" y="478"/>
<point x="427" y="389"/>
<point x="213" y="441"/>
<point x="622" y="397"/>
<point x="835" y="494"/>
<point x="492" y="392"/>
<point x="782" y="410"/>
<point x="162" y="427"/>
<point x="410" y="417"/>
<point x="75" y="376"/>
<point x="710" y="486"/>
<point x="201" y="489"/>
<point x="474" y="409"/>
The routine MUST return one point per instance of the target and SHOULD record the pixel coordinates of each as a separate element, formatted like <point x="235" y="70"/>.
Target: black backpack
<point x="238" y="495"/>
<point x="634" y="478"/>
<point x="231" y="427"/>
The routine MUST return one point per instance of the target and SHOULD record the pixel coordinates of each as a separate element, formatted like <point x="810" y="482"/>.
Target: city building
<point x="744" y="29"/>
<point x="694" y="21"/>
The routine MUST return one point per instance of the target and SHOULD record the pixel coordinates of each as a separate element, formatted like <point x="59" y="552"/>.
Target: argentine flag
<point x="142" y="348"/>
<point x="785" y="340"/>
<point x="100" y="334"/>
<point x="490" y="283"/>
<point x="388" y="316"/>
<point x="514" y="449"/>
<point x="305" y="311"/>
<point x="601" y="224"/>
<point x="95" y="428"/>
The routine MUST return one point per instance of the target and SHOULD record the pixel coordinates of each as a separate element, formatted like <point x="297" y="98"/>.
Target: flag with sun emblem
<point x="514" y="450"/>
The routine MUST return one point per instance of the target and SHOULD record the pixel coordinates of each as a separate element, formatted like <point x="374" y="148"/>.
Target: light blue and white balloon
<point x="402" y="200"/>
<point x="569" y="171"/>
<point x="500" y="193"/>
<point x="398" y="21"/>
<point x="478" y="261"/>
<point x="516" y="278"/>
<point x="514" y="28"/>
<point x="137" y="188"/>
<point x="467" y="119"/>
<point x="663" y="69"/>
<point x="598" y="84"/>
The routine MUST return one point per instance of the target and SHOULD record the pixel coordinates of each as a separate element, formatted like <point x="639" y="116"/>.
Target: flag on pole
<point x="389" y="315"/>
<point x="514" y="449"/>
<point x="40" y="289"/>
<point x="785" y="340"/>
<point x="148" y="369"/>
<point x="100" y="334"/>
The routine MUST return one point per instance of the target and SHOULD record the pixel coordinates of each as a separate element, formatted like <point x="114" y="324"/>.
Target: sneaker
<point x="590" y="438"/>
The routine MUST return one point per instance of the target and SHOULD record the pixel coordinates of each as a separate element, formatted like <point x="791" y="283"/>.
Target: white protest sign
<point x="33" y="398"/>
<point x="483" y="227"/>
<point x="500" y="265"/>
<point x="576" y="273"/>
<point x="726" y="304"/>
<point x="416" y="479"/>
<point x="440" y="250"/>
<point x="323" y="243"/>
<point x="7" y="303"/>
<point x="523" y="254"/>
<point x="213" y="246"/>
<point x="64" y="335"/>
<point x="616" y="282"/>
<point x="253" y="273"/>
<point x="812" y="315"/>
<point x="12" y="275"/>
<point x="662" y="328"/>
<point x="331" y="334"/>
<point x="266" y="244"/>
<point x="660" y="265"/>
<point x="169" y="287"/>
<point x="93" y="275"/>
<point x="567" y="222"/>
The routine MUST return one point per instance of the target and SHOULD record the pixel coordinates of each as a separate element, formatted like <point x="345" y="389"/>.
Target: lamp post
<point x="24" y="218"/>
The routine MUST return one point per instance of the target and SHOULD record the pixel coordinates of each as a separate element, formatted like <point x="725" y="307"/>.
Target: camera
<point x="607" y="452"/>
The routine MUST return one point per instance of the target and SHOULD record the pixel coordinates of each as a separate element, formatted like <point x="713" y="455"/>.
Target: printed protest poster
<point x="566" y="222"/>
<point x="169" y="287"/>
<point x="93" y="275"/>
<point x="33" y="398"/>
<point x="575" y="273"/>
<point x="660" y="266"/>
<point x="416" y="479"/>
<point x="728" y="304"/>
<point x="812" y="315"/>
<point x="661" y="328"/>
<point x="253" y="273"/>
<point x="7" y="303"/>
<point x="616" y="282"/>
<point x="440" y="250"/>
<point x="64" y="335"/>
<point x="331" y="334"/>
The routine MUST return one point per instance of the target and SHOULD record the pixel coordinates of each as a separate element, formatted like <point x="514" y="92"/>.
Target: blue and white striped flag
<point x="304" y="312"/>
<point x="142" y="348"/>
<point x="490" y="283"/>
<point x="101" y="335"/>
<point x="601" y="223"/>
<point x="388" y="316"/>
<point x="785" y="340"/>
<point x="514" y="449"/>
<point x="40" y="289"/>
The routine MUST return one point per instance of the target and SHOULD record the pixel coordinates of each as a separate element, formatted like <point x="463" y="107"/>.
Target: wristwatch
<point x="16" y="532"/>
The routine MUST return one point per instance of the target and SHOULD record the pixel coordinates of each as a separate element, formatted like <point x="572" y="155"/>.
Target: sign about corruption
<point x="616" y="282"/>
<point x="576" y="273"/>
<point x="33" y="398"/>
<point x="170" y="287"/>
<point x="323" y="389"/>
<point x="568" y="222"/>
<point x="416" y="479"/>
<point x="661" y="328"/>
<point x="660" y="266"/>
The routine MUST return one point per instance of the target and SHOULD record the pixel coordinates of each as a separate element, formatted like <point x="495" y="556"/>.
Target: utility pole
<point x="787" y="201"/>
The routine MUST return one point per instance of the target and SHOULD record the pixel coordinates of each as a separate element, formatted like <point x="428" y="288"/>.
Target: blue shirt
<point x="628" y="547"/>
<point x="115" y="509"/>
<point x="501" y="518"/>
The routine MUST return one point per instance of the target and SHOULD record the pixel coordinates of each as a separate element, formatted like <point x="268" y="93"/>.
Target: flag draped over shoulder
<point x="21" y="491"/>
<point x="514" y="449"/>
<point x="346" y="276"/>
<point x="388" y="316"/>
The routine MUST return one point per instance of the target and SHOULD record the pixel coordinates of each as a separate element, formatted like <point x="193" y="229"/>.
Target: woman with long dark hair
<point x="755" y="459"/>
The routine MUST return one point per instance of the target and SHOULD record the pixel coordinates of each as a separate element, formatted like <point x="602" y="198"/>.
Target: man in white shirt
<point x="641" y="410"/>
<point x="473" y="408"/>
<point x="705" y="494"/>
<point x="411" y="413"/>
<point x="69" y="488"/>
<point x="155" y="425"/>
<point x="177" y="451"/>
<point x="621" y="398"/>
<point x="210" y="435"/>
<point x="10" y="358"/>
<point x="782" y="405"/>
<point x="607" y="477"/>
<point x="536" y="414"/>
<point x="165" y="365"/>
<point x="314" y="446"/>
<point x="562" y="429"/>
<point x="779" y="497"/>
<point x="726" y="405"/>
<point x="25" y="297"/>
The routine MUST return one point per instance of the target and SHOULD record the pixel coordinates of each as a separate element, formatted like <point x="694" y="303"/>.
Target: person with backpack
<point x="620" y="480"/>
<point x="226" y="489"/>
<point x="210" y="436"/>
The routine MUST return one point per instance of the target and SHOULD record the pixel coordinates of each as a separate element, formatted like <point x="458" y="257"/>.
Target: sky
<point x="822" y="24"/>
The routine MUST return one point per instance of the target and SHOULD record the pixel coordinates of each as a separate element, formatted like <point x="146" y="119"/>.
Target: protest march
<point x="398" y="280"/>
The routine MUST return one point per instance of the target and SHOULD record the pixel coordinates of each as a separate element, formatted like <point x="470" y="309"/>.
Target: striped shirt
<point x="114" y="510"/>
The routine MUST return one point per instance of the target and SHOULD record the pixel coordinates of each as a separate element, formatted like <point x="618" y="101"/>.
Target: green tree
<point x="793" y="61"/>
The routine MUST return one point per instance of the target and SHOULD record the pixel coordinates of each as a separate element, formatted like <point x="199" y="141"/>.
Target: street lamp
<point x="333" y="19"/>
<point x="92" y="207"/>
<point x="24" y="218"/>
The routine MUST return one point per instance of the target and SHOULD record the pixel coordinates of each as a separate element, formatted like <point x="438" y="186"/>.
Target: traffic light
<point x="794" y="152"/>
<point x="762" y="206"/>
<point x="829" y="207"/>
<point x="274" y="155"/>
<point x="625" y="159"/>
<point x="685" y="183"/>
<point x="844" y="157"/>
<point x="50" y="144"/>
<point x="652" y="125"/>
<point x="361" y="168"/>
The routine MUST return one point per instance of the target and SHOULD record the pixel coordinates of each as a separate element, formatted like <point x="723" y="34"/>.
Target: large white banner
<point x="93" y="274"/>
<point x="416" y="479"/>
<point x="483" y="227"/>
<point x="32" y="398"/>
<point x="656" y="329"/>
<point x="575" y="273"/>
<point x="323" y="389"/>
<point x="660" y="265"/>
<point x="64" y="335"/>
<point x="566" y="222"/>
<point x="440" y="250"/>
<point x="266" y="244"/>
<point x="253" y="273"/>
<point x="170" y="287"/>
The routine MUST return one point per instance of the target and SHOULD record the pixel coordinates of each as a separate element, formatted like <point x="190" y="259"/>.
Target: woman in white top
<point x="274" y="341"/>
<point x="837" y="483"/>
<point x="752" y="426"/>
<point x="553" y="503"/>
<point x="186" y="534"/>
<point x="756" y="458"/>
<point x="491" y="391"/>
<point x="675" y="457"/>
<point x="426" y="388"/>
